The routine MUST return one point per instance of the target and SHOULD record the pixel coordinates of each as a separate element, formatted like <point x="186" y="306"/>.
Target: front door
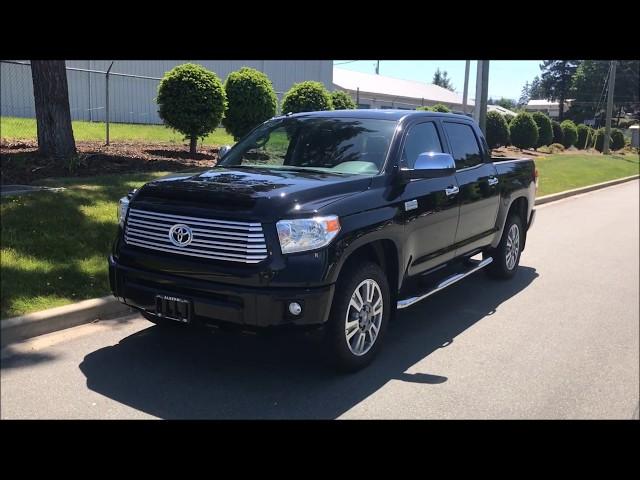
<point x="430" y="214"/>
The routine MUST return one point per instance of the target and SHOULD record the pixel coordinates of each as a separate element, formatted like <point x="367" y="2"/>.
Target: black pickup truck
<point x="329" y="220"/>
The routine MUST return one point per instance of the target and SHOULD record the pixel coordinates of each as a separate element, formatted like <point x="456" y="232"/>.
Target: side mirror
<point x="223" y="151"/>
<point x="430" y="165"/>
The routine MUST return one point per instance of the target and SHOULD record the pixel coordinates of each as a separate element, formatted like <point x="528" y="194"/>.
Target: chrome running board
<point x="407" y="302"/>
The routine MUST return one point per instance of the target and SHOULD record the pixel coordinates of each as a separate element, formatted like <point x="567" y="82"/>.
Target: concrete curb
<point x="577" y="191"/>
<point x="54" y="319"/>
<point x="59" y="318"/>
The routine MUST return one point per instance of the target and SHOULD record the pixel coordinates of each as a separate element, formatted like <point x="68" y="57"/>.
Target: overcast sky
<point x="506" y="77"/>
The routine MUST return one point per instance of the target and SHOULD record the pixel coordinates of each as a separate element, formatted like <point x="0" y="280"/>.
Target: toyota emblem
<point x="180" y="235"/>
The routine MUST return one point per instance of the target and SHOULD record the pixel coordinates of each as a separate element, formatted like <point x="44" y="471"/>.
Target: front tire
<point x="506" y="256"/>
<point x="359" y="317"/>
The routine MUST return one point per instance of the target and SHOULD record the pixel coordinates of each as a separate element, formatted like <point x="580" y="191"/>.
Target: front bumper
<point x="217" y="303"/>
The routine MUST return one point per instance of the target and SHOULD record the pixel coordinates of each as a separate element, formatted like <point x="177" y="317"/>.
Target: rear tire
<point x="353" y="336"/>
<point x="506" y="256"/>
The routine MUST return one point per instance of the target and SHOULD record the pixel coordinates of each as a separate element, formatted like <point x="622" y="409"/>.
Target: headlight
<point x="123" y="206"/>
<point x="307" y="234"/>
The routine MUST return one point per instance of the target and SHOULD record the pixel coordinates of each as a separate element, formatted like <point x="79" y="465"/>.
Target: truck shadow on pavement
<point x="176" y="373"/>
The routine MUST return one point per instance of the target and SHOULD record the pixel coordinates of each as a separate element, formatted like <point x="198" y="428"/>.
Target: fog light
<point x="295" y="308"/>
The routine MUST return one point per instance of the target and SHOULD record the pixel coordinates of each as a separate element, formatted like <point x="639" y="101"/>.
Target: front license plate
<point x="173" y="308"/>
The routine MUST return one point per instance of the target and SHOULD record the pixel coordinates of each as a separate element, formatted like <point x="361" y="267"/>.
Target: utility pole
<point x="466" y="86"/>
<point x="607" y="130"/>
<point x="482" y="89"/>
<point x="378" y="67"/>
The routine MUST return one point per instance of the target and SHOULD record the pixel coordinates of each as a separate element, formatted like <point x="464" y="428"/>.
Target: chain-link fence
<point x="112" y="107"/>
<point x="106" y="106"/>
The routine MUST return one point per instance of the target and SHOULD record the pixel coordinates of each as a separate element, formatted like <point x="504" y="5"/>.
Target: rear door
<point x="477" y="179"/>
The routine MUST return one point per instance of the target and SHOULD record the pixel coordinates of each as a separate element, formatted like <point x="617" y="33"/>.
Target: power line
<point x="343" y="63"/>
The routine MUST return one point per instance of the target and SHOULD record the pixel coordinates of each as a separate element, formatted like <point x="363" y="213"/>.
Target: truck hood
<point x="250" y="193"/>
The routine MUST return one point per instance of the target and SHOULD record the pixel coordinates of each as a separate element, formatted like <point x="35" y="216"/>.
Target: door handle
<point x="451" y="190"/>
<point x="493" y="180"/>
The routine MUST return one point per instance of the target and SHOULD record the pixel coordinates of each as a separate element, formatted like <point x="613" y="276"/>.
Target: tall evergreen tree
<point x="557" y="80"/>
<point x="442" y="80"/>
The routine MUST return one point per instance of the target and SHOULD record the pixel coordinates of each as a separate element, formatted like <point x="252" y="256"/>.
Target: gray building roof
<point x="395" y="87"/>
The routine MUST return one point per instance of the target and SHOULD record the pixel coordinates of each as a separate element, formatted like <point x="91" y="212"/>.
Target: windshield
<point x="334" y="145"/>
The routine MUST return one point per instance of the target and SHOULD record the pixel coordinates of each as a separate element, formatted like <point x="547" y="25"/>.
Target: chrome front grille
<point x="215" y="239"/>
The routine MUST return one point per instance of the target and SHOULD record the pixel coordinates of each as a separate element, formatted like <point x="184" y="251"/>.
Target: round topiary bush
<point x="599" y="139"/>
<point x="617" y="139"/>
<point x="545" y="130"/>
<point x="557" y="132"/>
<point x="569" y="133"/>
<point x="497" y="131"/>
<point x="440" y="108"/>
<point x="306" y="97"/>
<point x="584" y="136"/>
<point x="251" y="100"/>
<point x="192" y="101"/>
<point x="342" y="100"/>
<point x="524" y="131"/>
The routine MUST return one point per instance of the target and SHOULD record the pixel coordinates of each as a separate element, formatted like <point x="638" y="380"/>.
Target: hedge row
<point x="193" y="101"/>
<point x="538" y="130"/>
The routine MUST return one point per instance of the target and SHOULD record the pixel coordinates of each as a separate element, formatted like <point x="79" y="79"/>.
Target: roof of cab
<point x="382" y="114"/>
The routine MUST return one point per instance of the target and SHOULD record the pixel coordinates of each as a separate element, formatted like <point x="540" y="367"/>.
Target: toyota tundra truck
<point x="330" y="220"/>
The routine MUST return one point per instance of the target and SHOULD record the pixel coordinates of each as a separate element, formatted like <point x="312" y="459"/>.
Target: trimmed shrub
<point x="524" y="131"/>
<point x="617" y="139"/>
<point x="342" y="100"/>
<point x="508" y="117"/>
<point x="569" y="133"/>
<point x="251" y="100"/>
<point x="545" y="130"/>
<point x="556" y="147"/>
<point x="306" y="97"/>
<point x="424" y="109"/>
<point x="192" y="101"/>
<point x="585" y="136"/>
<point x="557" y="132"/>
<point x="497" y="130"/>
<point x="599" y="143"/>
<point x="440" y="108"/>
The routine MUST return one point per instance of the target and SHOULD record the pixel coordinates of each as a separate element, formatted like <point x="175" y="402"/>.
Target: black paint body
<point x="372" y="215"/>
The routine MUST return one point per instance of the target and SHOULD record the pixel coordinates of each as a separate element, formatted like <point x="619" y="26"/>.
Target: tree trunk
<point x="561" y="112"/>
<point x="53" y="116"/>
<point x="619" y="115"/>
<point x="193" y="144"/>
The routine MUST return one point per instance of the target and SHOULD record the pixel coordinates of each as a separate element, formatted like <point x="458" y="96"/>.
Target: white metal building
<point x="132" y="99"/>
<point x="379" y="91"/>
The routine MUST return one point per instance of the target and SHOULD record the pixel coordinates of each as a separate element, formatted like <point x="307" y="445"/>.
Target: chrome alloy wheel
<point x="513" y="246"/>
<point x="364" y="316"/>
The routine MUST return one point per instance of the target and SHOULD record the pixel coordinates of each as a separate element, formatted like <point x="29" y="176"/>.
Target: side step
<point x="407" y="302"/>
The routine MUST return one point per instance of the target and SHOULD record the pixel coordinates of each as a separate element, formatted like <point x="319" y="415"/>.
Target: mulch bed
<point x="20" y="162"/>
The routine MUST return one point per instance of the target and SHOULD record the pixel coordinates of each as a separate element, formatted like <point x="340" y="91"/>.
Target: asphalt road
<point x="559" y="341"/>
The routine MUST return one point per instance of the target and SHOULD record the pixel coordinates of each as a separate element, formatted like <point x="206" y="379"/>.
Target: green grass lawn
<point x="562" y="172"/>
<point x="25" y="129"/>
<point x="54" y="246"/>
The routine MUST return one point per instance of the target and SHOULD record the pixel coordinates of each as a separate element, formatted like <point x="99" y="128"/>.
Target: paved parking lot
<point x="558" y="341"/>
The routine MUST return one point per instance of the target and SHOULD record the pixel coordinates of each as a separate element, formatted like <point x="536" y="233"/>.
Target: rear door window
<point x="464" y="145"/>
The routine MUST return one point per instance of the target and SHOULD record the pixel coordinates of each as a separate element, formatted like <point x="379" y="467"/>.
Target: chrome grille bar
<point x="210" y="238"/>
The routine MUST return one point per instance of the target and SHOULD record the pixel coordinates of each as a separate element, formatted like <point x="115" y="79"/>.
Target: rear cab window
<point x="465" y="148"/>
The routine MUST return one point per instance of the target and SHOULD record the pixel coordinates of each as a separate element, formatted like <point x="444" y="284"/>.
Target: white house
<point x="379" y="91"/>
<point x="547" y="106"/>
<point x="499" y="109"/>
